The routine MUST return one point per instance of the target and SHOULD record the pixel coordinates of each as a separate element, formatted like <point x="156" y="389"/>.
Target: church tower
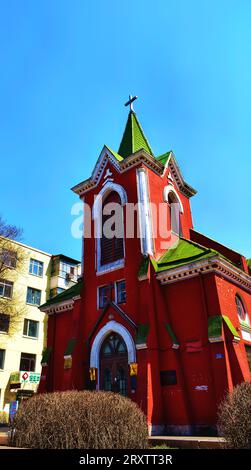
<point x="149" y="319"/>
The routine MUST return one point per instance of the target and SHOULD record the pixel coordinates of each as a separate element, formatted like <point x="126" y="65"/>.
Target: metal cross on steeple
<point x="130" y="102"/>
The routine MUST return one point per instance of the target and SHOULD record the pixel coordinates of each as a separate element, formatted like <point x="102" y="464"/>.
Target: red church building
<point x="161" y="315"/>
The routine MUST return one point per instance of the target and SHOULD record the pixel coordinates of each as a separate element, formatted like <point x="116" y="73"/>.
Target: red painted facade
<point x="204" y="369"/>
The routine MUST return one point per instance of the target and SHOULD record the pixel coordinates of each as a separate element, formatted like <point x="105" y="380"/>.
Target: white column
<point x="144" y="215"/>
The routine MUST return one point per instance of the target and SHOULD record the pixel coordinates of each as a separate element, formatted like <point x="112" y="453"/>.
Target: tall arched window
<point x="242" y="312"/>
<point x="112" y="240"/>
<point x="174" y="211"/>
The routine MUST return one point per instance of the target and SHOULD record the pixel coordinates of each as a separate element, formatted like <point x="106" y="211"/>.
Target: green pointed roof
<point x="133" y="138"/>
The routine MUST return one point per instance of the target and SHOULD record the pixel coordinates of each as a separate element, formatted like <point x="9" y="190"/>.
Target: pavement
<point x="188" y="442"/>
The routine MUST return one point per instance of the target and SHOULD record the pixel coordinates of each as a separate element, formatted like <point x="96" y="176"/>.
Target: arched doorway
<point x="114" y="365"/>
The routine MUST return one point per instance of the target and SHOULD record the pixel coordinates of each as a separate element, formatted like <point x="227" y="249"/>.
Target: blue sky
<point x="67" y="68"/>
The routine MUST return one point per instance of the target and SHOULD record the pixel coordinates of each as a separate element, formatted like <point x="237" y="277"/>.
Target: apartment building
<point x="28" y="278"/>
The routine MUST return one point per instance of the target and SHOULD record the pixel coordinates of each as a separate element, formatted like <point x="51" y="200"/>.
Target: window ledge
<point x="110" y="267"/>
<point x="33" y="305"/>
<point x="36" y="275"/>
<point x="30" y="337"/>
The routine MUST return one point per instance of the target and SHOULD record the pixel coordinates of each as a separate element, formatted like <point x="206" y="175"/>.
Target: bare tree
<point x="12" y="264"/>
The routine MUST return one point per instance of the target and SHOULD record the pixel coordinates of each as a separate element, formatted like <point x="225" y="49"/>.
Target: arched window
<point x="112" y="240"/>
<point x="242" y="312"/>
<point x="174" y="211"/>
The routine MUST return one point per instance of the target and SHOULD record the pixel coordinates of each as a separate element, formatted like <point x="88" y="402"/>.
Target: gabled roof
<point x="185" y="252"/>
<point x="133" y="138"/>
<point x="67" y="294"/>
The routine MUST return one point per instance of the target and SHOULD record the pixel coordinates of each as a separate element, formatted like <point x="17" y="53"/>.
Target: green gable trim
<point x="231" y="327"/>
<point x="46" y="355"/>
<point x="173" y="337"/>
<point x="143" y="269"/>
<point x="249" y="263"/>
<point x="115" y="154"/>
<point x="163" y="158"/>
<point x="215" y="328"/>
<point x="66" y="295"/>
<point x="70" y="347"/>
<point x="133" y="138"/>
<point x="142" y="333"/>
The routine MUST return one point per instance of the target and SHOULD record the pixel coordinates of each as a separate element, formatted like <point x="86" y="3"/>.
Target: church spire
<point x="133" y="138"/>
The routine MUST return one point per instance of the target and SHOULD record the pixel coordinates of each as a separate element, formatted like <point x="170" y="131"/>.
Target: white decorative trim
<point x="145" y="223"/>
<point x="124" y="165"/>
<point x="170" y="189"/>
<point x="109" y="187"/>
<point x="97" y="216"/>
<point x="110" y="327"/>
<point x="216" y="339"/>
<point x="59" y="307"/>
<point x="141" y="346"/>
<point x="213" y="264"/>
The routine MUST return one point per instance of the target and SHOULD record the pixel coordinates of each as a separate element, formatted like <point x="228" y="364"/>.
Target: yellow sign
<point x="67" y="362"/>
<point x="133" y="368"/>
<point x="92" y="372"/>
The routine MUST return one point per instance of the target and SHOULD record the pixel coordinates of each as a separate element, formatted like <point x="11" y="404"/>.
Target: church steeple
<point x="133" y="138"/>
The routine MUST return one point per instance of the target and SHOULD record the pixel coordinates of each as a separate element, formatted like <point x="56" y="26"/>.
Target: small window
<point x="33" y="296"/>
<point x="4" y="323"/>
<point x="103" y="296"/>
<point x="31" y="328"/>
<point x="27" y="362"/>
<point x="168" y="377"/>
<point x="36" y="267"/>
<point x="121" y="292"/>
<point x="6" y="288"/>
<point x="2" y="358"/>
<point x="9" y="258"/>
<point x="242" y="313"/>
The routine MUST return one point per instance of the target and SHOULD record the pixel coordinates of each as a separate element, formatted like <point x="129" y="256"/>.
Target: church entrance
<point x="114" y="365"/>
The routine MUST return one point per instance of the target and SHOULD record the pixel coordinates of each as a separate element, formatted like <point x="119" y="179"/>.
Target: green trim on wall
<point x="142" y="333"/>
<point x="171" y="334"/>
<point x="215" y="326"/>
<point x="46" y="355"/>
<point x="143" y="268"/>
<point x="70" y="346"/>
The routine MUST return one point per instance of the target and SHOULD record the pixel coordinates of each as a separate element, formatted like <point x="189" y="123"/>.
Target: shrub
<point x="235" y="417"/>
<point x="87" y="420"/>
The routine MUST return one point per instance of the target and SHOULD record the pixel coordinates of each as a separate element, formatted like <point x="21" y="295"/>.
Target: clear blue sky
<point x="67" y="68"/>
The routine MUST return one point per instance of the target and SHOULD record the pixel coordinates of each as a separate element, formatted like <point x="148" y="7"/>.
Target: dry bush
<point x="235" y="417"/>
<point x="80" y="420"/>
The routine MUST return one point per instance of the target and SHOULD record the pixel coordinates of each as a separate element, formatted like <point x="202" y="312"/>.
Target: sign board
<point x="30" y="377"/>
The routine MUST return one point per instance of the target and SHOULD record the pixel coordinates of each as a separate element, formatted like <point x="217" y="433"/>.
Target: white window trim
<point x="170" y="189"/>
<point x="97" y="217"/>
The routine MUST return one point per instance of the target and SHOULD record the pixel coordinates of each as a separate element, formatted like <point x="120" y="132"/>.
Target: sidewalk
<point x="188" y="442"/>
